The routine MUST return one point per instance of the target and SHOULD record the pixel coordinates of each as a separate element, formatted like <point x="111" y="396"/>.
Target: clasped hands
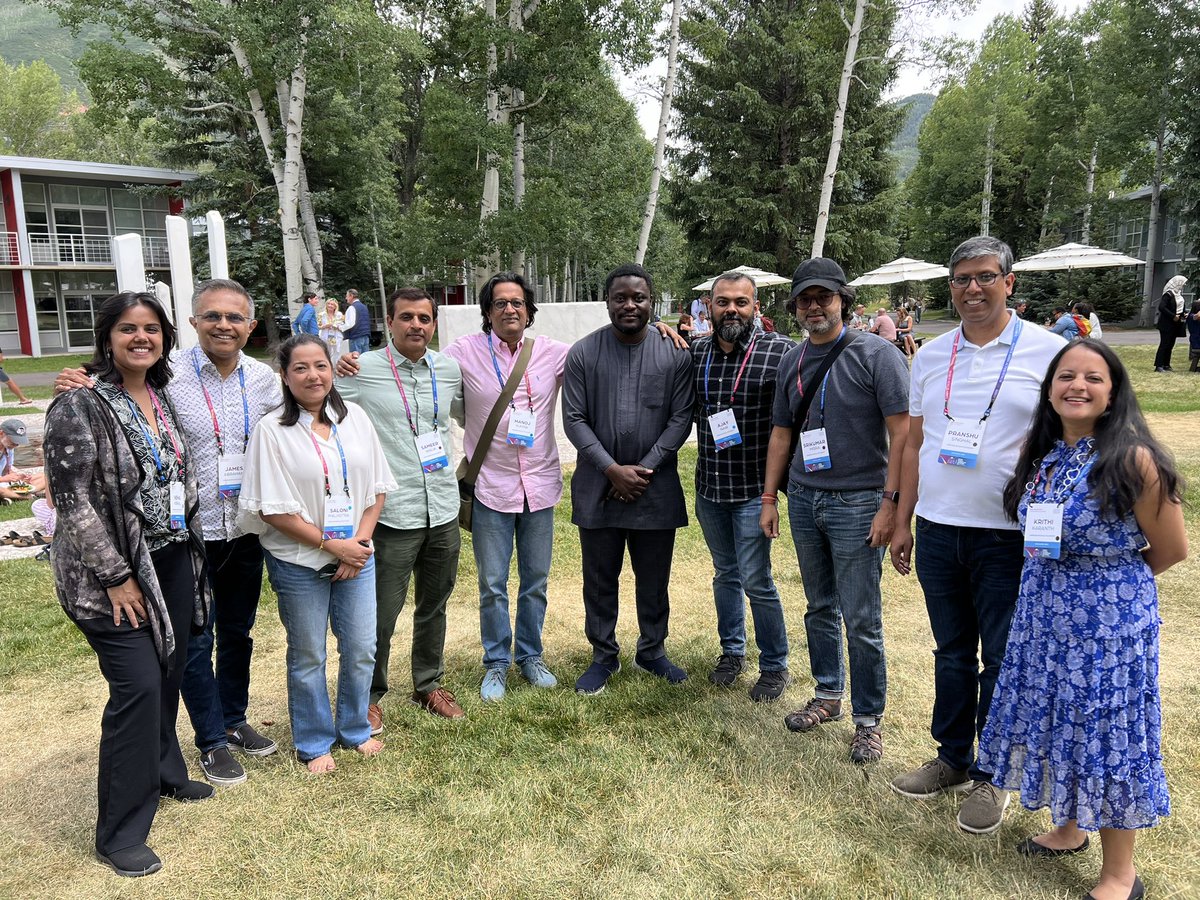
<point x="628" y="482"/>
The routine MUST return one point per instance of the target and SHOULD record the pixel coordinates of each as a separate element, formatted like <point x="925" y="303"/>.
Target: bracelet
<point x="769" y="498"/>
<point x="321" y="546"/>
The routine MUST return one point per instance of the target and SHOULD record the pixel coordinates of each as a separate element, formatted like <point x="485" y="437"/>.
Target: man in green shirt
<point x="410" y="392"/>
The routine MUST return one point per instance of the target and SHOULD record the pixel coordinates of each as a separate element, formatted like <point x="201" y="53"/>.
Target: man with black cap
<point x="13" y="434"/>
<point x="844" y="395"/>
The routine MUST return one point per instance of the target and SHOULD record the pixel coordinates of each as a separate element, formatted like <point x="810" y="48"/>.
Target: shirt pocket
<point x="652" y="389"/>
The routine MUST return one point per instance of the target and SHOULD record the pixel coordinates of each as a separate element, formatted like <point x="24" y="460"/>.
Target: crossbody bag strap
<point x="493" y="420"/>
<point x="810" y="388"/>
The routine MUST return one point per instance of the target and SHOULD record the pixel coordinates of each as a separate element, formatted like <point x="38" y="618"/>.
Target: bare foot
<point x="322" y="765"/>
<point x="369" y="747"/>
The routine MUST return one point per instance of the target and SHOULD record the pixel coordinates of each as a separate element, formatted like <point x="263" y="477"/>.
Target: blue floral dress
<point x="1075" y="720"/>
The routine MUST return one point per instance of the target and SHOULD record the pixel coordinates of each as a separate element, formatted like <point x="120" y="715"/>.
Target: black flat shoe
<point x="132" y="862"/>
<point x="1030" y="847"/>
<point x="1137" y="892"/>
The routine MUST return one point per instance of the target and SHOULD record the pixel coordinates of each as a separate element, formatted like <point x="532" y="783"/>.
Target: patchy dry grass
<point x="646" y="790"/>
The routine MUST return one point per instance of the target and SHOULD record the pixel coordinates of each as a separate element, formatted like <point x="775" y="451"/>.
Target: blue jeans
<point x="492" y="536"/>
<point x="970" y="577"/>
<point x="308" y="606"/>
<point x="841" y="574"/>
<point x="360" y="344"/>
<point x="215" y="702"/>
<point x="741" y="556"/>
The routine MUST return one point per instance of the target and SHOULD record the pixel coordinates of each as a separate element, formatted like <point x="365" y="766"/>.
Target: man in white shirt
<point x="971" y="402"/>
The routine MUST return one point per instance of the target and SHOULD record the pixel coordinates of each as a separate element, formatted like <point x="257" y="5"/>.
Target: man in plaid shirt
<point x="735" y="369"/>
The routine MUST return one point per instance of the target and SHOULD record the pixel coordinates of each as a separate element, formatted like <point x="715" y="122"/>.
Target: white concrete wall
<point x="563" y="321"/>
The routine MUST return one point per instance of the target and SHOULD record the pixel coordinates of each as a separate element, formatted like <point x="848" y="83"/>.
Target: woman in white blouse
<point x="313" y="489"/>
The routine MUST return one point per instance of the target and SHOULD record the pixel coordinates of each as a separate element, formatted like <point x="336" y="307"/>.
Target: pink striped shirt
<point x="512" y="474"/>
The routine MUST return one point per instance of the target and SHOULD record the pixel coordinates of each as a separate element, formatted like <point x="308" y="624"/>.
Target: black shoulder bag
<point x="810" y="389"/>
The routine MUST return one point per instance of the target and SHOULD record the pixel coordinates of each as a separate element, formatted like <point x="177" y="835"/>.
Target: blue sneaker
<point x="536" y="673"/>
<point x="493" y="685"/>
<point x="661" y="668"/>
<point x="593" y="681"/>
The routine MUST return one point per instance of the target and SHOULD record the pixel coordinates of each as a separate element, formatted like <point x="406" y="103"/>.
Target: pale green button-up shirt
<point x="424" y="499"/>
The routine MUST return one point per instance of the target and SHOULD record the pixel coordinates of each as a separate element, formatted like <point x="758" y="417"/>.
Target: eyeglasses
<point x="823" y="299"/>
<point x="212" y="318"/>
<point x="983" y="279"/>
<point x="515" y="304"/>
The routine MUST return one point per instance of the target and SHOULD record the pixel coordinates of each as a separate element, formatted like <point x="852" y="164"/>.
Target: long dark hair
<point x="1115" y="481"/>
<point x="292" y="409"/>
<point x="101" y="364"/>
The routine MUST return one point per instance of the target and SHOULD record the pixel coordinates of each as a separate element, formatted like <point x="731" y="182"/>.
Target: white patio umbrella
<point x="1075" y="256"/>
<point x="902" y="269"/>
<point x="760" y="277"/>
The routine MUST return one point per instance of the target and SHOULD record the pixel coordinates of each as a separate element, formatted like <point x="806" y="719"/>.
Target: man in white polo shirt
<point x="971" y="402"/>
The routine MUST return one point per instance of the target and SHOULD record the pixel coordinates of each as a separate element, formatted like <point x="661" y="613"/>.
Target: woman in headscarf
<point x="1168" y="319"/>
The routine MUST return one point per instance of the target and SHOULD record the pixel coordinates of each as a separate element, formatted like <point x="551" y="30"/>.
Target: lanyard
<point x="325" y="466"/>
<point x="1065" y="477"/>
<point x="150" y="439"/>
<point x="999" y="381"/>
<point x="500" y="378"/>
<point x="741" y="369"/>
<point x="412" y="423"/>
<point x="212" y="411"/>
<point x="800" y="362"/>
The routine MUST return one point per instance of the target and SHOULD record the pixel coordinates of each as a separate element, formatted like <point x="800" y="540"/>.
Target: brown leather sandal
<point x="816" y="712"/>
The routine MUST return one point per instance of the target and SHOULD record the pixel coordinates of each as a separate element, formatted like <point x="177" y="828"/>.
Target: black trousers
<point x="140" y="757"/>
<point x="603" y="551"/>
<point x="1166" y="344"/>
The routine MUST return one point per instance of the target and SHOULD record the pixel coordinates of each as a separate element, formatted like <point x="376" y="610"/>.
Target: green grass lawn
<point x="644" y="791"/>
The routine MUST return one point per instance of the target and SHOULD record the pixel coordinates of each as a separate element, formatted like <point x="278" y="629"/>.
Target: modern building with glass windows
<point x="58" y="219"/>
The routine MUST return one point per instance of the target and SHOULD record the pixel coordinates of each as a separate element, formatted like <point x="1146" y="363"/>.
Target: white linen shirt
<point x="972" y="498"/>
<point x="285" y="475"/>
<point x="218" y="516"/>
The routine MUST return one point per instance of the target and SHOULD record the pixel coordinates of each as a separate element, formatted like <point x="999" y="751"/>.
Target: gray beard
<point x="733" y="330"/>
<point x="825" y="327"/>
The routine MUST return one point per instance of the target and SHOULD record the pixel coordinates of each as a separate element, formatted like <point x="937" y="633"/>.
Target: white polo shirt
<point x="972" y="498"/>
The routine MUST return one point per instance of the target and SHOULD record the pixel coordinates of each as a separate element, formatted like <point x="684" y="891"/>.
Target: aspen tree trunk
<point x="839" y="122"/>
<point x="985" y="211"/>
<point x="1160" y="139"/>
<point x="660" y="143"/>
<point x="1090" y="190"/>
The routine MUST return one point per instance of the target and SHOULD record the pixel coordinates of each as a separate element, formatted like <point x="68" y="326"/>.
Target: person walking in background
<point x="1168" y="319"/>
<point x="314" y="487"/>
<point x="7" y="382"/>
<point x="627" y="408"/>
<point x="306" y="321"/>
<point x="129" y="564"/>
<point x="1193" y="329"/>
<point x="973" y="393"/>
<point x="1075" y="718"/>
<point x="520" y="481"/>
<point x="330" y="324"/>
<point x="357" y="323"/>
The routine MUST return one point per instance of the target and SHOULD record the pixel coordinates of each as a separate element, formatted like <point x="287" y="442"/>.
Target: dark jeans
<point x="140" y="757"/>
<point x="970" y="577"/>
<point x="603" y="551"/>
<point x="1166" y="345"/>
<point x="216" y="702"/>
<point x="430" y="555"/>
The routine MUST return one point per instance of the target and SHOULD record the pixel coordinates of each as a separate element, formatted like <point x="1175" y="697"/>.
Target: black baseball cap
<point x="818" y="271"/>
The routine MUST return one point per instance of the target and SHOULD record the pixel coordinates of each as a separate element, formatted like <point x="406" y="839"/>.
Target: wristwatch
<point x="894" y="496"/>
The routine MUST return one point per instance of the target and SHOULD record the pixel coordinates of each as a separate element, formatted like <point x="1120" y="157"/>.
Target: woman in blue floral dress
<point x="1075" y="720"/>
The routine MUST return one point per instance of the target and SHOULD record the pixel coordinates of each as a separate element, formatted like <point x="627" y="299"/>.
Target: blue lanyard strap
<point x="500" y="378"/>
<point x="737" y="381"/>
<point x="151" y="440"/>
<point x="341" y="452"/>
<point x="999" y="381"/>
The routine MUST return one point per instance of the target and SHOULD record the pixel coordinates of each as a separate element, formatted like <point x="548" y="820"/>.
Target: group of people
<point x="1036" y="488"/>
<point x="342" y="331"/>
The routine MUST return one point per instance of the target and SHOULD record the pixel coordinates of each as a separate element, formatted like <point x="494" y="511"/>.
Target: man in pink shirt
<point x="884" y="326"/>
<point x="520" y="481"/>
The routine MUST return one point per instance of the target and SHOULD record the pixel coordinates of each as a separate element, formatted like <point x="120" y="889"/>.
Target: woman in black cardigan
<point x="1169" y="319"/>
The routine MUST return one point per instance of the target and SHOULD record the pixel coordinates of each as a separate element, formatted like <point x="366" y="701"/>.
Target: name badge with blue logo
<point x="960" y="446"/>
<point x="1043" y="530"/>
<point x="725" y="431"/>
<point x="339" y="518"/>
<point x="522" y="427"/>
<point x="814" y="445"/>
<point x="431" y="452"/>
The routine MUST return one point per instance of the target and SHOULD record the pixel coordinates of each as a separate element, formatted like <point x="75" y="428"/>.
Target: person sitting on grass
<point x="16" y="484"/>
<point x="1075" y="719"/>
<point x="313" y="489"/>
<point x="6" y="380"/>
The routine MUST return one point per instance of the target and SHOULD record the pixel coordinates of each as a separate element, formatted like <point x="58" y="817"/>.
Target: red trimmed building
<point x="58" y="219"/>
